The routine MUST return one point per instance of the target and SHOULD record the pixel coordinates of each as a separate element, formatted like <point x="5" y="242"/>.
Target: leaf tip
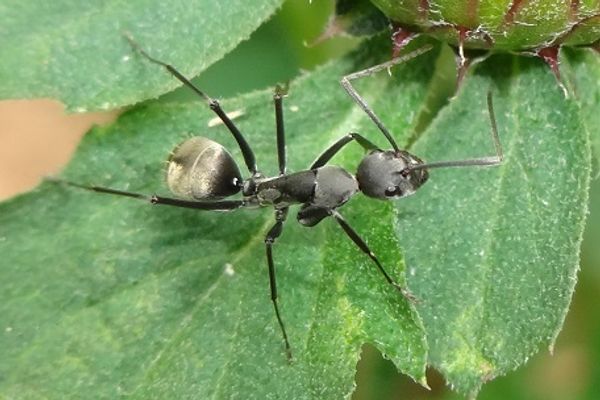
<point x="423" y="382"/>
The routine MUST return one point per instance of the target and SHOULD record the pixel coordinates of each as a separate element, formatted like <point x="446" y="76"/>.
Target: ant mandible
<point x="202" y="173"/>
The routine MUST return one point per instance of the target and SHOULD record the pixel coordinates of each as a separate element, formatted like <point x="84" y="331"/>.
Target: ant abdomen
<point x="202" y="169"/>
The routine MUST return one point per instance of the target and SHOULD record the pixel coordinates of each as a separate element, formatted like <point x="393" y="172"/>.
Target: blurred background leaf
<point x="75" y="51"/>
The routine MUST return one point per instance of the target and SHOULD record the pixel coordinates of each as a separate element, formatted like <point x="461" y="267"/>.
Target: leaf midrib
<point x="487" y="265"/>
<point x="354" y="114"/>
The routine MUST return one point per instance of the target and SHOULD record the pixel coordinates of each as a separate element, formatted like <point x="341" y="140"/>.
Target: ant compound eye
<point x="390" y="191"/>
<point x="393" y="191"/>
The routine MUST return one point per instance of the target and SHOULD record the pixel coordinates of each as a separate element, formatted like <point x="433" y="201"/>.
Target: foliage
<point x="108" y="295"/>
<point x="500" y="25"/>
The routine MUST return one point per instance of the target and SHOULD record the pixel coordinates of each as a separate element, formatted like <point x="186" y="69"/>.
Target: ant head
<point x="389" y="174"/>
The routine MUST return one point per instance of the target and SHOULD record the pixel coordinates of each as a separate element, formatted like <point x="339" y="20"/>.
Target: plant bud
<point x="517" y="25"/>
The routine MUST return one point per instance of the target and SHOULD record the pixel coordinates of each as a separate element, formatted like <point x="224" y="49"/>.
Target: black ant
<point x="203" y="172"/>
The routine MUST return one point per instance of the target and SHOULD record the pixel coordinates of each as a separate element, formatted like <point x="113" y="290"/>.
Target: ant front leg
<point x="338" y="145"/>
<point x="272" y="235"/>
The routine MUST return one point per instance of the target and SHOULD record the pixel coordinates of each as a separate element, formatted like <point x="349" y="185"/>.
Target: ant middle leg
<point x="272" y="235"/>
<point x="365" y="248"/>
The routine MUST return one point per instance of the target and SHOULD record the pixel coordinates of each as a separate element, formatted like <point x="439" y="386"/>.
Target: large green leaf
<point x="582" y="69"/>
<point x="75" y="51"/>
<point x="493" y="253"/>
<point x="107" y="296"/>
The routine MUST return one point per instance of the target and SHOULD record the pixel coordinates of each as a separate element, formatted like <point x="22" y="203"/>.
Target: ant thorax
<point x="325" y="187"/>
<point x="389" y="174"/>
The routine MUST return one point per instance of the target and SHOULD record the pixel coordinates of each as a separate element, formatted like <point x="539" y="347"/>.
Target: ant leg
<point x="212" y="103"/>
<point x="274" y="233"/>
<point x="280" y="93"/>
<point x="222" y="205"/>
<point x="363" y="246"/>
<point x="368" y="72"/>
<point x="482" y="161"/>
<point x="337" y="146"/>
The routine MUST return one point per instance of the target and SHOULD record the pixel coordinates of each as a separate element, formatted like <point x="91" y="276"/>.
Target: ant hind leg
<point x="272" y="235"/>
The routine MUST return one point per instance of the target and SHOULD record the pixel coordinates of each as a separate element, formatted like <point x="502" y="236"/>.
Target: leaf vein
<point x="487" y="265"/>
<point x="185" y="321"/>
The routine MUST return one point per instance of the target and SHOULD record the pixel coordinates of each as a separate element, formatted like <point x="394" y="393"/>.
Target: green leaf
<point x="582" y="69"/>
<point x="75" y="51"/>
<point x="493" y="253"/>
<point x="108" y="295"/>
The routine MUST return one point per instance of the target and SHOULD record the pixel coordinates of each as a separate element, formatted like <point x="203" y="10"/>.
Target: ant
<point x="201" y="173"/>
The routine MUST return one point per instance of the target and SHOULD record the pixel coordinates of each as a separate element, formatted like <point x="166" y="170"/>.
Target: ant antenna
<point x="483" y="161"/>
<point x="347" y="85"/>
